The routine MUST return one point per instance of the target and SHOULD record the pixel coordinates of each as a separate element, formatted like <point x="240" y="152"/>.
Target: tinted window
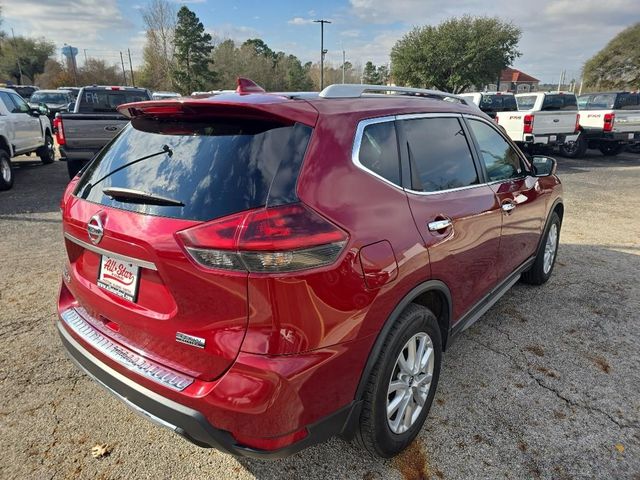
<point x="627" y="101"/>
<point x="217" y="167"/>
<point x="106" y="101"/>
<point x="24" y="92"/>
<point x="559" y="102"/>
<point x="49" y="97"/>
<point x="379" y="150"/>
<point x="20" y="105"/>
<point x="500" y="159"/>
<point x="7" y="101"/>
<point x="526" y="103"/>
<point x="439" y="151"/>
<point x="498" y="103"/>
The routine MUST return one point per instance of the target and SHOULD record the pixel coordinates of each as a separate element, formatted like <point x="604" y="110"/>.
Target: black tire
<point x="74" y="166"/>
<point x="634" y="147"/>
<point x="6" y="174"/>
<point x="47" y="151"/>
<point x="537" y="274"/>
<point x="610" y="148"/>
<point x="574" y="149"/>
<point x="374" y="432"/>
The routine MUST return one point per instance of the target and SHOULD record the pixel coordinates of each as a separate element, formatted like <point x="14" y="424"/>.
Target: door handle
<point x="508" y="207"/>
<point x="438" y="225"/>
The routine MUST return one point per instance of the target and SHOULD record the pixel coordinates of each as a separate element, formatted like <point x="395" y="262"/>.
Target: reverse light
<point x="528" y="124"/>
<point x="273" y="240"/>
<point x="59" y="129"/>
<point x="609" y="119"/>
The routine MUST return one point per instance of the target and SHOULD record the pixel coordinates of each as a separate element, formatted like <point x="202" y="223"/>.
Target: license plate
<point x="631" y="135"/>
<point x="119" y="277"/>
<point x="552" y="138"/>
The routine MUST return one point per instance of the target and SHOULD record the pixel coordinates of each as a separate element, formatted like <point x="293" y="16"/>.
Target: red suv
<point x="259" y="272"/>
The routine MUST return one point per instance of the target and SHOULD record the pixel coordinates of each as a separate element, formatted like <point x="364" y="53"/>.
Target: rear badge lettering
<point x="190" y="340"/>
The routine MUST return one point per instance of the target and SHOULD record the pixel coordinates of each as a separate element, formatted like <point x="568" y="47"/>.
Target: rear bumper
<point x="193" y="424"/>
<point x="594" y="134"/>
<point x="557" y="139"/>
<point x="83" y="155"/>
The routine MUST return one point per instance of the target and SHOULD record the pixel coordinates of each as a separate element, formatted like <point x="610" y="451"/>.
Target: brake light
<point x="59" y="129"/>
<point x="528" y="124"/>
<point x="272" y="240"/>
<point x="114" y="88"/>
<point x="577" y="127"/>
<point x="609" y="118"/>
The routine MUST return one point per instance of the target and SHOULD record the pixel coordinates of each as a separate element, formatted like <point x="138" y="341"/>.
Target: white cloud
<point x="237" y="33"/>
<point x="350" y="33"/>
<point x="300" y="21"/>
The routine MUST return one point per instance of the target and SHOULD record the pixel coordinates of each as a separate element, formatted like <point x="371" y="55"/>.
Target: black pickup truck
<point x="93" y="122"/>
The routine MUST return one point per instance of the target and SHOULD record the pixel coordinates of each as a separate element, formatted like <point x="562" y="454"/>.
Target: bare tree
<point x="160" y="21"/>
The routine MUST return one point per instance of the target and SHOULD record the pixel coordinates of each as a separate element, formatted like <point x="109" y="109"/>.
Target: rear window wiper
<point x="136" y="196"/>
<point x="165" y="149"/>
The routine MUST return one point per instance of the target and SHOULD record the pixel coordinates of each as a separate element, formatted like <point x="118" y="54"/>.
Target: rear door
<point x="519" y="195"/>
<point x="457" y="215"/>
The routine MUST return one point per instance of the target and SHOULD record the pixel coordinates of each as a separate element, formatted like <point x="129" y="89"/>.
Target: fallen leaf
<point x="101" y="450"/>
<point x="620" y="447"/>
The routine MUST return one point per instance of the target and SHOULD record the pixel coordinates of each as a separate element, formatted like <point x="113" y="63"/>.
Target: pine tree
<point x="193" y="50"/>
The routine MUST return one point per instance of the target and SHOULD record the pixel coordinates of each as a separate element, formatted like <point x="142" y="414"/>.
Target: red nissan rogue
<point x="261" y="271"/>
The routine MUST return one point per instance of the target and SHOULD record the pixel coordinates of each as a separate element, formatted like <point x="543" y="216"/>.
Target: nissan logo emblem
<point x="95" y="229"/>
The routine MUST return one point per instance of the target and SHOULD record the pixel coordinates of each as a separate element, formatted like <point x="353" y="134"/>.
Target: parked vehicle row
<point x="605" y="121"/>
<point x="228" y="279"/>
<point x="23" y="130"/>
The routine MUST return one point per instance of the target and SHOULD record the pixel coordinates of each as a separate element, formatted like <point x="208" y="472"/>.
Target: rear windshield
<point x="526" y="103"/>
<point x="24" y="92"/>
<point x="498" y="103"/>
<point x="559" y="102"/>
<point x="610" y="101"/>
<point x="217" y="167"/>
<point x="107" y="101"/>
<point x="50" y="97"/>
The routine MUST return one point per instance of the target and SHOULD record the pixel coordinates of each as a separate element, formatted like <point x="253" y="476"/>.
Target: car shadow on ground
<point x="593" y="159"/>
<point x="521" y="386"/>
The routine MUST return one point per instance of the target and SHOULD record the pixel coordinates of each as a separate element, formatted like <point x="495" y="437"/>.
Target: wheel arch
<point x="5" y="145"/>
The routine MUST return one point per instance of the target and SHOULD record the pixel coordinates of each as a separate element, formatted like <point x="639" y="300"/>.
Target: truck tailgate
<point x="91" y="132"/>
<point x="554" y="122"/>
<point x="627" y="121"/>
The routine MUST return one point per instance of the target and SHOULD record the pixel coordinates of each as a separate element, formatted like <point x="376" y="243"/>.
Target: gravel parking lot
<point x="546" y="385"/>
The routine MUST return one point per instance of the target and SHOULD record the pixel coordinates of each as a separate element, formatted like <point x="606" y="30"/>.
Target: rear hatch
<point x="163" y="175"/>
<point x="558" y="115"/>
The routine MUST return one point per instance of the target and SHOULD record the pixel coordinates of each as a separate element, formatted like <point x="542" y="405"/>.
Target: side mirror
<point x="43" y="109"/>
<point x="544" y="166"/>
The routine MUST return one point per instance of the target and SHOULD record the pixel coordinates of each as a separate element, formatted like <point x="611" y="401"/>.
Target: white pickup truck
<point x="608" y="122"/>
<point x="542" y="119"/>
<point x="23" y="129"/>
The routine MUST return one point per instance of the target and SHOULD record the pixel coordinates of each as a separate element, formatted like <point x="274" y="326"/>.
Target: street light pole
<point x="322" y="50"/>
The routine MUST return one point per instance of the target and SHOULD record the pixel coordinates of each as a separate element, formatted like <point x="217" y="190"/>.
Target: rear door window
<point x="559" y="102"/>
<point x="439" y="154"/>
<point x="4" y="97"/>
<point x="217" y="168"/>
<point x="379" y="151"/>
<point x="107" y="101"/>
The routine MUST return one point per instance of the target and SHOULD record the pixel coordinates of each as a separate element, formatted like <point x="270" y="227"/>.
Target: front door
<point x="28" y="129"/>
<point x="457" y="215"/>
<point x="517" y="192"/>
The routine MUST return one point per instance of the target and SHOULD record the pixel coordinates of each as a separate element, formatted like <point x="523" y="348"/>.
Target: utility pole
<point x="322" y="50"/>
<point x="15" y="47"/>
<point x="343" y="62"/>
<point x="124" y="73"/>
<point x="85" y="57"/>
<point x="133" y="80"/>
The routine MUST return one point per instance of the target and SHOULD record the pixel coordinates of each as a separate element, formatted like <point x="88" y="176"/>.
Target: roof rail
<point x="354" y="90"/>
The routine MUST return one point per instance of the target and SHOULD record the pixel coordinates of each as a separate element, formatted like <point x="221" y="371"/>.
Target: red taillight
<point x="59" y="129"/>
<point x="278" y="239"/>
<point x="577" y="127"/>
<point x="609" y="118"/>
<point x="496" y="119"/>
<point x="528" y="124"/>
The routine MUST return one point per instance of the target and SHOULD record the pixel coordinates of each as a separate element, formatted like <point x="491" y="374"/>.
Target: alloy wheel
<point x="550" y="248"/>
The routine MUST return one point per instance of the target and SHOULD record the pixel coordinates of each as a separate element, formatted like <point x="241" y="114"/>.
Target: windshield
<point x="107" y="101"/>
<point x="40" y="97"/>
<point x="526" y="103"/>
<point x="498" y="103"/>
<point x="216" y="168"/>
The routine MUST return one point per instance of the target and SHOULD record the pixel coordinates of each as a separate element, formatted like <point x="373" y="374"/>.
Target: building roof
<point x="515" y="75"/>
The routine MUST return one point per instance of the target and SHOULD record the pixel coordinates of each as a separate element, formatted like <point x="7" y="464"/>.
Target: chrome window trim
<point x="74" y="318"/>
<point x="102" y="251"/>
